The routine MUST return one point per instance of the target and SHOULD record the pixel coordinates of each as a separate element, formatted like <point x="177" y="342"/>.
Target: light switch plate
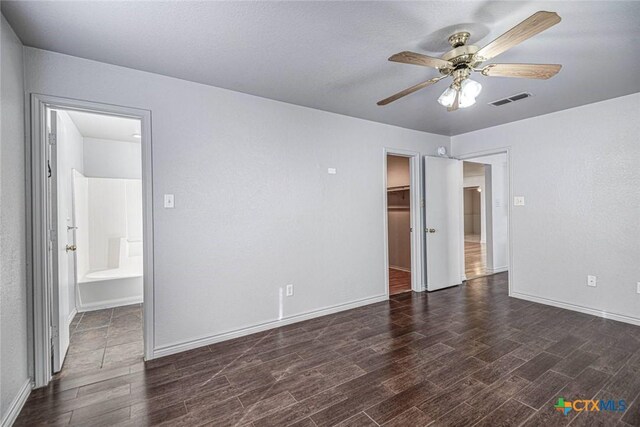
<point x="591" y="281"/>
<point x="332" y="171"/>
<point x="518" y="201"/>
<point x="169" y="201"/>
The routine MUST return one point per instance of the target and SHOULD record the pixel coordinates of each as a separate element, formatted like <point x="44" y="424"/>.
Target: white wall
<point x="13" y="258"/>
<point x="106" y="158"/>
<point x="578" y="171"/>
<point x="69" y="156"/>
<point x="255" y="207"/>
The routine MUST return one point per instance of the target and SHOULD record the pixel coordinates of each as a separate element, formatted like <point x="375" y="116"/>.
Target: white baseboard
<point x="393" y="267"/>
<point x="497" y="270"/>
<point x="16" y="405"/>
<point x="109" y="304"/>
<point x="200" y="342"/>
<point x="578" y="308"/>
<point x="71" y="316"/>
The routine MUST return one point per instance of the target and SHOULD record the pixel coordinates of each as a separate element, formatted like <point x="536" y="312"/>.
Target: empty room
<point x="314" y="213"/>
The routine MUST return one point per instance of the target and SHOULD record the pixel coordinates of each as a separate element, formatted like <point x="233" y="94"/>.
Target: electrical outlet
<point x="289" y="290"/>
<point x="638" y="288"/>
<point x="591" y="281"/>
<point x="518" y="201"/>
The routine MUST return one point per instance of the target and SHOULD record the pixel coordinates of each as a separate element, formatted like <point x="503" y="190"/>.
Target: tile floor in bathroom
<point x="104" y="339"/>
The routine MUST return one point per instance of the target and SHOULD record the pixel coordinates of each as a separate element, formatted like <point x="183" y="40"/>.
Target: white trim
<point x="38" y="283"/>
<point x="71" y="316"/>
<point x="497" y="270"/>
<point x="578" y="308"/>
<point x="16" y="404"/>
<point x="395" y="267"/>
<point x="109" y="304"/>
<point x="415" y="171"/>
<point x="200" y="342"/>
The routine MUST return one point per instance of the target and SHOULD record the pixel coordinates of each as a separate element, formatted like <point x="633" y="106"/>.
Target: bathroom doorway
<point x="95" y="260"/>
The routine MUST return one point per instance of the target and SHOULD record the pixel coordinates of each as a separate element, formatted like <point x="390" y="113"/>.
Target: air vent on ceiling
<point x="510" y="99"/>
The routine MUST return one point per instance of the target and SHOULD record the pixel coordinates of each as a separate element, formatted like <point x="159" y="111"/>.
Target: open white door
<point x="442" y="188"/>
<point x="58" y="258"/>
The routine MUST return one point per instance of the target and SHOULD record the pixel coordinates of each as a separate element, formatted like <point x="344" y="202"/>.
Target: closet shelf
<point x="400" y="188"/>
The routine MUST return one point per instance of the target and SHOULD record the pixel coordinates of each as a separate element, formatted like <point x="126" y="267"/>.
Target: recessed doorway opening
<point x="92" y="226"/>
<point x="486" y="215"/>
<point x="399" y="223"/>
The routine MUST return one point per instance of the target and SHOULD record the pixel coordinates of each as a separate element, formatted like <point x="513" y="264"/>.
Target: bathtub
<point x="113" y="287"/>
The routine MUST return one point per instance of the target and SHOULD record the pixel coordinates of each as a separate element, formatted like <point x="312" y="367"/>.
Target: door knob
<point x="431" y="230"/>
<point x="70" y="248"/>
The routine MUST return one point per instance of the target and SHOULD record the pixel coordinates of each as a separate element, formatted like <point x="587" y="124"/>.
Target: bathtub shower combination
<point x="108" y="216"/>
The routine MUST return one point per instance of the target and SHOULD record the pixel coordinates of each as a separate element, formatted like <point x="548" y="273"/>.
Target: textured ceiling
<point x="333" y="55"/>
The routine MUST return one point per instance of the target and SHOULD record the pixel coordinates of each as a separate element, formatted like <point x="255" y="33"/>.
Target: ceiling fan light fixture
<point x="469" y="90"/>
<point x="448" y="97"/>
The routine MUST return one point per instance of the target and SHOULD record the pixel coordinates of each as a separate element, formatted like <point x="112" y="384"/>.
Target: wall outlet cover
<point x="518" y="201"/>
<point x="591" y="281"/>
<point x="332" y="171"/>
<point x="289" y="290"/>
<point x="169" y="201"/>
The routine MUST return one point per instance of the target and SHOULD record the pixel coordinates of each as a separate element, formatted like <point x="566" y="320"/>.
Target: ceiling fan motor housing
<point x="462" y="55"/>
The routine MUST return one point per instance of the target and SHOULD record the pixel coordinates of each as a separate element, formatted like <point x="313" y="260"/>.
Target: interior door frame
<point x="490" y="152"/>
<point x="417" y="202"/>
<point x="39" y="286"/>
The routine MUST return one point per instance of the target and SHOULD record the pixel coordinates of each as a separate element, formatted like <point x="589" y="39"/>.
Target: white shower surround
<point x="108" y="213"/>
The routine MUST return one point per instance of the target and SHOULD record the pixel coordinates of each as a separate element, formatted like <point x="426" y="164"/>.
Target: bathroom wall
<point x="107" y="158"/>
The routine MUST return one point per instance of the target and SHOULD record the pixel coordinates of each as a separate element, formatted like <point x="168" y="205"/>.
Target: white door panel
<point x="443" y="196"/>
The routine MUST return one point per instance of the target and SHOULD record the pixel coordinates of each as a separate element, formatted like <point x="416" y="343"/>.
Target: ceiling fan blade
<point x="456" y="102"/>
<point x="420" y="59"/>
<point x="536" y="23"/>
<point x="410" y="90"/>
<point x="525" y="71"/>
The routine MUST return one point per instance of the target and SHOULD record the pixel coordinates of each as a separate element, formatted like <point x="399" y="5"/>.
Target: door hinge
<point x="51" y="138"/>
<point x="422" y="203"/>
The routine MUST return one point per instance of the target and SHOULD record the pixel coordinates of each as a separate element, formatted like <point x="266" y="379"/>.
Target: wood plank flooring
<point x="104" y="339"/>
<point x="467" y="355"/>
<point x="399" y="281"/>
<point x="475" y="256"/>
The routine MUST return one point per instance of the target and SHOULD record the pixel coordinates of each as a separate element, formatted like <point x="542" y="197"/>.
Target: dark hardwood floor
<point x="467" y="355"/>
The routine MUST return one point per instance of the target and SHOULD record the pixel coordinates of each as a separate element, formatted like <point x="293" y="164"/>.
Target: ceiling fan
<point x="463" y="59"/>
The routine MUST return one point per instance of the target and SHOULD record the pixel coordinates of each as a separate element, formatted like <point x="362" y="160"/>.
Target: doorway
<point x="486" y="215"/>
<point x="403" y="247"/>
<point x="91" y="209"/>
<point x="399" y="223"/>
<point x="475" y="202"/>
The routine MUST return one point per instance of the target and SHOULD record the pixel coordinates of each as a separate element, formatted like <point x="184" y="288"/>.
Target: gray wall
<point x="13" y="290"/>
<point x="578" y="171"/>
<point x="255" y="207"/>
